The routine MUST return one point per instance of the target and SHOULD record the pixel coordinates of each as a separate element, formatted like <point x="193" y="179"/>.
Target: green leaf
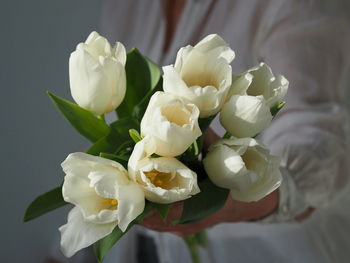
<point x="86" y="123"/>
<point x="163" y="210"/>
<point x="118" y="135"/>
<point x="204" y="123"/>
<point x="140" y="109"/>
<point x="154" y="71"/>
<point x="114" y="157"/>
<point x="44" y="203"/>
<point x="227" y="135"/>
<point x="142" y="75"/>
<point x="135" y="135"/>
<point x="207" y="202"/>
<point x="123" y="160"/>
<point x="192" y="152"/>
<point x="102" y="246"/>
<point x="276" y="108"/>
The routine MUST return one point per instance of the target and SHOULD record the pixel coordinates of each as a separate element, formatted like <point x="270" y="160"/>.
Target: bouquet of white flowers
<point x="153" y="155"/>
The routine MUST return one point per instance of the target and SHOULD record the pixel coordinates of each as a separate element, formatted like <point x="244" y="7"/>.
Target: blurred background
<point x="37" y="38"/>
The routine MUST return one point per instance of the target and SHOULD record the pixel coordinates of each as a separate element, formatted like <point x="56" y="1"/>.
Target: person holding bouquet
<point x="306" y="42"/>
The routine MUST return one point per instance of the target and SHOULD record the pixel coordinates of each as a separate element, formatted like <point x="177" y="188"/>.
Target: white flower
<point x="245" y="116"/>
<point x="247" y="110"/>
<point x="245" y="167"/>
<point x="97" y="74"/>
<point x="201" y="74"/>
<point x="171" y="122"/>
<point x="103" y="196"/>
<point x="165" y="179"/>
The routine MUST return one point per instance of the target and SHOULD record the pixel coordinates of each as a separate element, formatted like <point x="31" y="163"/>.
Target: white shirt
<point x="308" y="42"/>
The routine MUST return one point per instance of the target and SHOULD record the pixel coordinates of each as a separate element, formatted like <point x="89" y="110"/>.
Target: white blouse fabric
<point x="308" y="42"/>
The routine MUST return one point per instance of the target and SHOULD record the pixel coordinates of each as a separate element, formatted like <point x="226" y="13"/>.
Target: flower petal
<point x="245" y="116"/>
<point x="262" y="79"/>
<point x="240" y="85"/>
<point x="214" y="43"/>
<point x="181" y="57"/>
<point x="120" y="53"/>
<point x="78" y="234"/>
<point x="131" y="204"/>
<point x="279" y="89"/>
<point x="270" y="182"/>
<point x="223" y="165"/>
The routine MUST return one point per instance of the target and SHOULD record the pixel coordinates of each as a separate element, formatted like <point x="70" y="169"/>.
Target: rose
<point x="103" y="196"/>
<point x="244" y="166"/>
<point x="171" y="122"/>
<point x="247" y="110"/>
<point x="165" y="179"/>
<point x="201" y="74"/>
<point x="97" y="74"/>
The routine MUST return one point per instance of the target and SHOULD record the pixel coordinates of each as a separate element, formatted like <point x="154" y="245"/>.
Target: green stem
<point x="202" y="239"/>
<point x="227" y="135"/>
<point x="193" y="248"/>
<point x="102" y="118"/>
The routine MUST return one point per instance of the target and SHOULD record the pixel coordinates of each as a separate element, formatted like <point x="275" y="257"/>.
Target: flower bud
<point x="202" y="74"/>
<point x="172" y="123"/>
<point x="245" y="167"/>
<point x="164" y="180"/>
<point x="103" y="196"/>
<point x="97" y="74"/>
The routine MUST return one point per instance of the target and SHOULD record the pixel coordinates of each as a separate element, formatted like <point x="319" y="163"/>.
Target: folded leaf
<point x="123" y="160"/>
<point x="139" y="109"/>
<point x="276" y="108"/>
<point x="102" y="246"/>
<point x="86" y="123"/>
<point x="207" y="202"/>
<point x="163" y="210"/>
<point x="118" y="135"/>
<point x="44" y="203"/>
<point x="135" y="135"/>
<point x="142" y="75"/>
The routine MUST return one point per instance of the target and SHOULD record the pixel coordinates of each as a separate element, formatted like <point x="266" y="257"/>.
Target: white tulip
<point x="103" y="196"/>
<point x="247" y="109"/>
<point x="245" y="116"/>
<point x="245" y="167"/>
<point x="97" y="74"/>
<point x="264" y="83"/>
<point x="172" y="123"/>
<point x="201" y="74"/>
<point x="165" y="179"/>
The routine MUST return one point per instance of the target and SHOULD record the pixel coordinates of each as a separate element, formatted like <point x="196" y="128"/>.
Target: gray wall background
<point x="37" y="37"/>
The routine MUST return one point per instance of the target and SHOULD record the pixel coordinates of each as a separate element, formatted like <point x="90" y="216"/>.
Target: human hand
<point x="233" y="211"/>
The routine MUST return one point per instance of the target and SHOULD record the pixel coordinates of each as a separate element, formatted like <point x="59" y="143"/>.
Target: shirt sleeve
<point x="310" y="48"/>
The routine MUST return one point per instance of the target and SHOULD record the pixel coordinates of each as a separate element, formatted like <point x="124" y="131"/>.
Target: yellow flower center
<point x="111" y="204"/>
<point x="175" y="114"/>
<point x="160" y="179"/>
<point x="201" y="79"/>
